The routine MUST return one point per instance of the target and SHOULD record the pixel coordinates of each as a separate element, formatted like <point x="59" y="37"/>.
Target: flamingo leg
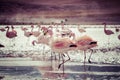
<point x="63" y="64"/>
<point x="90" y="56"/>
<point x="84" y="60"/>
<point x="59" y="58"/>
<point x="43" y="52"/>
<point x="64" y="61"/>
<point x="51" y="58"/>
<point x="108" y="41"/>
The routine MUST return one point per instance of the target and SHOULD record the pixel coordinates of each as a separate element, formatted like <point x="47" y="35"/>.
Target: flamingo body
<point x="11" y="34"/>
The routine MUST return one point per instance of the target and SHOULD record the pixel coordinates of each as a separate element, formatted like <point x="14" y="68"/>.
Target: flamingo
<point x="84" y="43"/>
<point x="107" y="32"/>
<point x="10" y="34"/>
<point x="81" y="30"/>
<point x="47" y="31"/>
<point x="62" y="46"/>
<point x="36" y="33"/>
<point x="65" y="32"/>
<point x="42" y="39"/>
<point x="27" y="34"/>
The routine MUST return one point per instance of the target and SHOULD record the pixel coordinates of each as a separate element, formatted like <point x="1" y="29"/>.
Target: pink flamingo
<point x="84" y="43"/>
<point x="42" y="40"/>
<point x="47" y="31"/>
<point x="65" y="32"/>
<point x="11" y="34"/>
<point x="107" y="32"/>
<point x="36" y="33"/>
<point x="62" y="46"/>
<point x="27" y="34"/>
<point x="81" y="30"/>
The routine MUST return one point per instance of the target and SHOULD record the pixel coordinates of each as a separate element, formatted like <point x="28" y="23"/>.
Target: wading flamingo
<point x="47" y="31"/>
<point x="27" y="34"/>
<point x="81" y="30"/>
<point x="42" y="39"/>
<point x="35" y="33"/>
<point x="10" y="34"/>
<point x="107" y="32"/>
<point x="62" y="46"/>
<point x="84" y="43"/>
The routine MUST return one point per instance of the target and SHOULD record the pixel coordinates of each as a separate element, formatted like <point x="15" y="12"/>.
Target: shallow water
<point x="74" y="72"/>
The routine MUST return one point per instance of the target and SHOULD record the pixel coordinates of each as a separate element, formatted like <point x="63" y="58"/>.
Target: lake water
<point x="74" y="72"/>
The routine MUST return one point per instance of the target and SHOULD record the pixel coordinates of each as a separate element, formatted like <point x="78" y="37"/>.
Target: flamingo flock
<point x="60" y="40"/>
<point x="63" y="44"/>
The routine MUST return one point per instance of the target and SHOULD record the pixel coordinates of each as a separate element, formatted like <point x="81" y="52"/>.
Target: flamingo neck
<point x="105" y="27"/>
<point x="32" y="29"/>
<point x="39" y="28"/>
<point x="12" y="27"/>
<point x="34" y="42"/>
<point x="8" y="29"/>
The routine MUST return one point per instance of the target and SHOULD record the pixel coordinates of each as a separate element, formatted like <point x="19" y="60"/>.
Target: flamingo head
<point x="104" y="23"/>
<point x="32" y="26"/>
<point x="7" y="27"/>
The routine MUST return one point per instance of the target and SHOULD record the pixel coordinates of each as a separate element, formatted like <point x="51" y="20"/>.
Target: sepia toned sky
<point x="75" y="11"/>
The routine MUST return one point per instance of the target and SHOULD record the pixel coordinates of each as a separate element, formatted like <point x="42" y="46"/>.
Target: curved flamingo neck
<point x="34" y="42"/>
<point x="12" y="27"/>
<point x="105" y="27"/>
<point x="32" y="28"/>
<point x="7" y="29"/>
